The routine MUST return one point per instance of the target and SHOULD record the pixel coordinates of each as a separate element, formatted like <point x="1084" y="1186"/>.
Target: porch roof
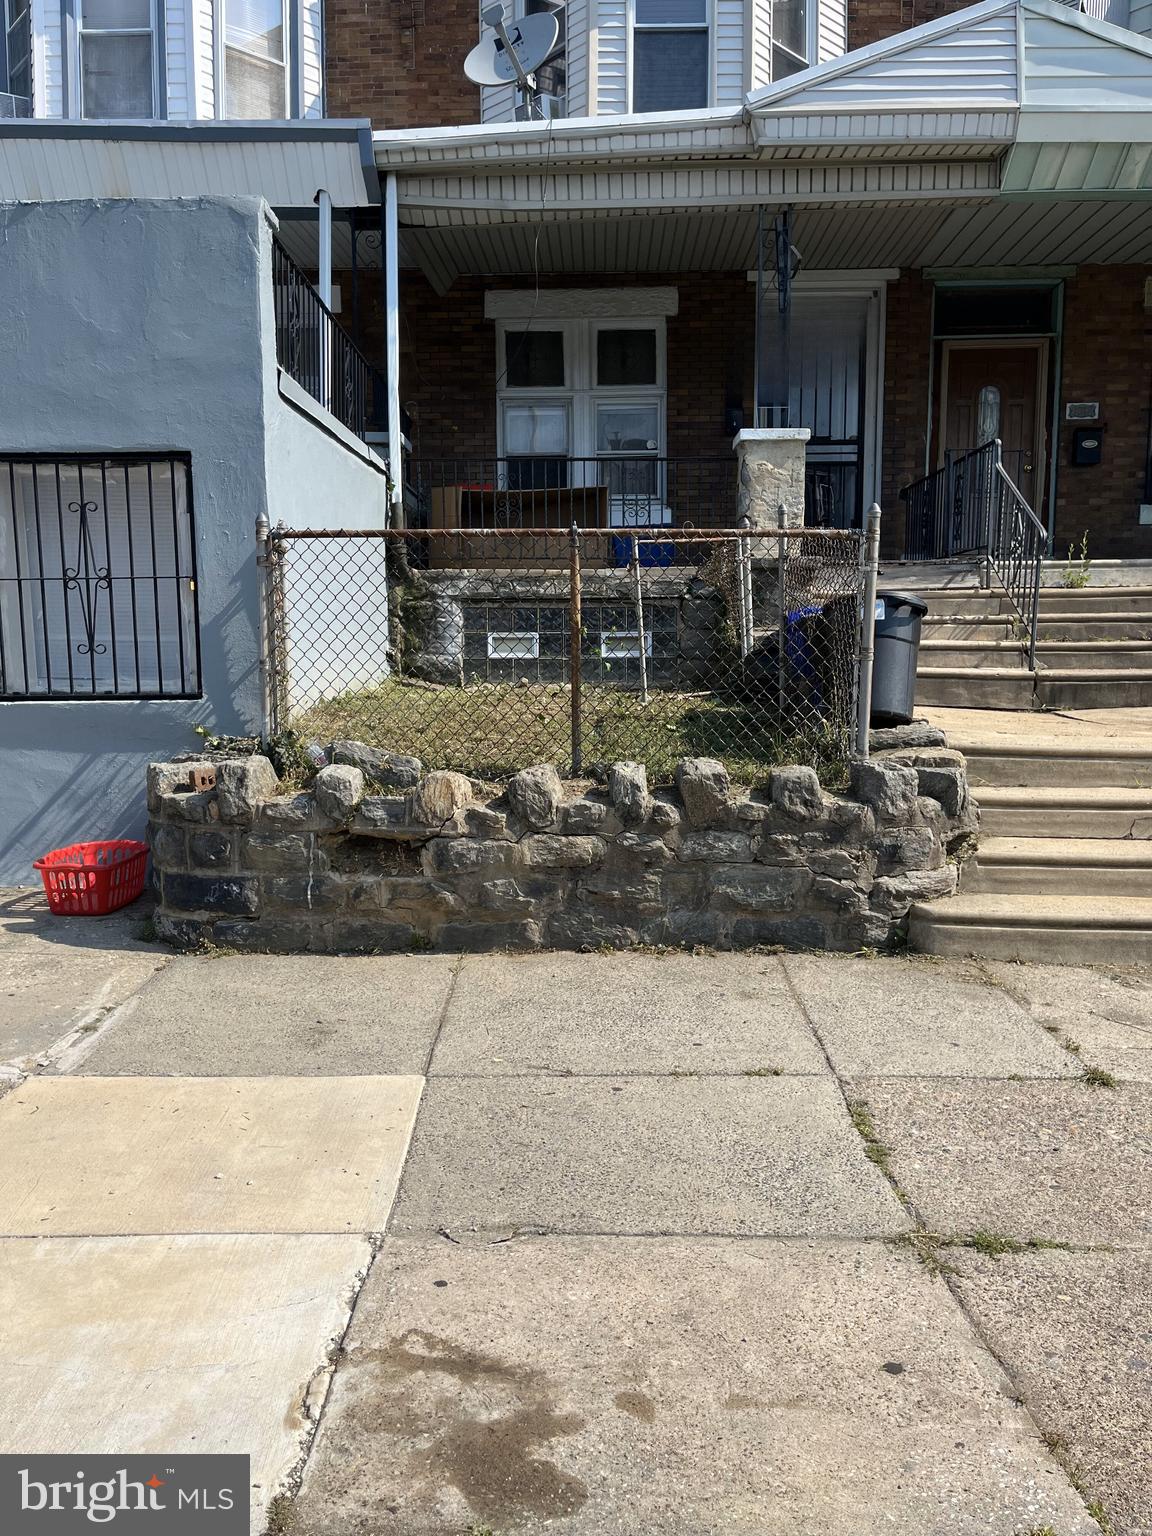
<point x="286" y="163"/>
<point x="1006" y="98"/>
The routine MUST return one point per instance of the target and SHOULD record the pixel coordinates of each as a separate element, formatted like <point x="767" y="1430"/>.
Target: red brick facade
<point x="448" y="360"/>
<point x="400" y="62"/>
<point x="1107" y="356"/>
<point x="869" y="21"/>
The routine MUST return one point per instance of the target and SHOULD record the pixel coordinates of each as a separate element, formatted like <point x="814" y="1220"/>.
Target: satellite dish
<point x="513" y="51"/>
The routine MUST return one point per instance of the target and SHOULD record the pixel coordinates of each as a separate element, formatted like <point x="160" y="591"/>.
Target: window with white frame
<point x="16" y="75"/>
<point x="582" y="402"/>
<point x="790" y="49"/>
<point x="670" y="55"/>
<point x="117" y="58"/>
<point x="255" y="59"/>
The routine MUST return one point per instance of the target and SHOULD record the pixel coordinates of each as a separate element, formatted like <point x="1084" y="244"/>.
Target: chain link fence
<point x="489" y="650"/>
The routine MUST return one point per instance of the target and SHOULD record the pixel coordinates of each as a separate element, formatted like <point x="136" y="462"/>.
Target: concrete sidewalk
<point x="717" y="1243"/>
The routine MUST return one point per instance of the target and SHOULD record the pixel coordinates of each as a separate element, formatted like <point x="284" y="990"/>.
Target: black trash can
<point x="898" y="620"/>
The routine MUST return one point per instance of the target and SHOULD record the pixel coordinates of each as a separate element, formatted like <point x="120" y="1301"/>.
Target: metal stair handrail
<point x="971" y="506"/>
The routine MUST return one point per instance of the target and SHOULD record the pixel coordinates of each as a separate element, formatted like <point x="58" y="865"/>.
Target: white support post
<point x="324" y="288"/>
<point x="391" y="258"/>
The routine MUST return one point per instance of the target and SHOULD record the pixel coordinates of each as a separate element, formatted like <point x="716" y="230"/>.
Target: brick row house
<point x="887" y="234"/>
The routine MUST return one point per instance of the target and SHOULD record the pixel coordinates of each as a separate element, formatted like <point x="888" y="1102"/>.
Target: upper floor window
<point x="255" y="59"/>
<point x="552" y="77"/>
<point x="789" y="37"/>
<point x="670" y="55"/>
<point x="117" y="58"/>
<point x="16" y="49"/>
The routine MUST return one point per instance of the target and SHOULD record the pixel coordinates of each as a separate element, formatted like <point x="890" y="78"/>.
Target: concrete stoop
<point x="1063" y="872"/>
<point x="1062" y="930"/>
<point x="1094" y="650"/>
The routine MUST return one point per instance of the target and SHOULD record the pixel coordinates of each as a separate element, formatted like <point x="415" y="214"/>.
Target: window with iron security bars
<point x="487" y="651"/>
<point x="98" y="578"/>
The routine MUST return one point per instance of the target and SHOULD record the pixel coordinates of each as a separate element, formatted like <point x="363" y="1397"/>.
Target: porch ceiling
<point x="992" y="233"/>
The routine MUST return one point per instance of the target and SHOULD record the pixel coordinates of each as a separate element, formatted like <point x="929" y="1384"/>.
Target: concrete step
<point x="1060" y="866"/>
<point x="1003" y="654"/>
<point x="957" y="604"/>
<point x="1078" y="763"/>
<point x="945" y="628"/>
<point x="1113" y="600"/>
<point x="1065" y="812"/>
<point x="1093" y="626"/>
<point x="975" y="688"/>
<point x="1094" y="655"/>
<point x="1067" y="930"/>
<point x="1094" y="688"/>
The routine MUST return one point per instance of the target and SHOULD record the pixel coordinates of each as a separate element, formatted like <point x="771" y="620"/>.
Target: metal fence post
<point x="782" y="598"/>
<point x="575" y="625"/>
<point x="638" y="594"/>
<point x="867" y="630"/>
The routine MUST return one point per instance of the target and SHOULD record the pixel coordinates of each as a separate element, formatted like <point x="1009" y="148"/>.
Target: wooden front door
<point x="997" y="390"/>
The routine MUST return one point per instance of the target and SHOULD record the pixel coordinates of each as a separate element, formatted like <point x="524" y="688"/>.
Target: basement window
<point x="517" y="645"/>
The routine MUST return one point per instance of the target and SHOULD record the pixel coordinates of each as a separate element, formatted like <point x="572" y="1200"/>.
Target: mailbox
<point x="1086" y="445"/>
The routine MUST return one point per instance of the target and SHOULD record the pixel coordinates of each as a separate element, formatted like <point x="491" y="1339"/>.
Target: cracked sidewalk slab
<point x="121" y="1155"/>
<point x="1073" y="1329"/>
<point x="173" y="1344"/>
<point x="756" y="1156"/>
<point x="287" y="1015"/>
<point x="1035" y="1160"/>
<point x="629" y="1013"/>
<point x="913" y="1019"/>
<point x="671" y="1385"/>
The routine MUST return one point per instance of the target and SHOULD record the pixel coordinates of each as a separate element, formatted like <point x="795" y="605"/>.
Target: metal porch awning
<point x="285" y="163"/>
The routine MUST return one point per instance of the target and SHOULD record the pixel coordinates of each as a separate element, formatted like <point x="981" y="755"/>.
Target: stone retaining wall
<point x="403" y="859"/>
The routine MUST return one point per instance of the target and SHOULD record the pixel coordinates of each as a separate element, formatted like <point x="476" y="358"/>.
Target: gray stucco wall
<point x="137" y="326"/>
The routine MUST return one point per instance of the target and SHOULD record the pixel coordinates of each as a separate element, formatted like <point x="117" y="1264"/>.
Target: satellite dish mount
<point x="510" y="55"/>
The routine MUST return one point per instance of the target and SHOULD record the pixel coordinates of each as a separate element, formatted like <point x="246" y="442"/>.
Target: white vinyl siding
<point x="202" y="53"/>
<point x="497" y="104"/>
<point x="311" y="61"/>
<point x="613" y="66"/>
<point x="831" y="30"/>
<point x="1070" y="68"/>
<point x="47" y="59"/>
<point x="759" y="70"/>
<point x="972" y="62"/>
<point x="176" y="59"/>
<point x="578" y="51"/>
<point x="728" y="52"/>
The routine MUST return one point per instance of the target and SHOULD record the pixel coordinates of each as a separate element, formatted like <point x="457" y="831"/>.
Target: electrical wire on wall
<point x="511" y="358"/>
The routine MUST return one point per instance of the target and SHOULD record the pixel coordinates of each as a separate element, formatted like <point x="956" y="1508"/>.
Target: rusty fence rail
<point x="488" y="650"/>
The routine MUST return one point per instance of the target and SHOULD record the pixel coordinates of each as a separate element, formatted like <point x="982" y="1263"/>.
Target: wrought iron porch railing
<point x="971" y="508"/>
<point x="620" y="490"/>
<point x="315" y="350"/>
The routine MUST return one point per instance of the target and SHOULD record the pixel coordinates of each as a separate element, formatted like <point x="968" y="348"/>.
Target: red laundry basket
<point x="93" y="878"/>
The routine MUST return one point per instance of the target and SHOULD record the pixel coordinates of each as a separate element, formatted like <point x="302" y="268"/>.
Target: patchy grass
<point x="1097" y="1077"/>
<point x="490" y="730"/>
<point x="991" y="1244"/>
<point x="281" y="1518"/>
<point x="874" y="1149"/>
<point x="764" y="1072"/>
<point x="926" y="1246"/>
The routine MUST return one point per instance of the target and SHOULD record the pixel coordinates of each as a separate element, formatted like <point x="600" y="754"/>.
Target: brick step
<point x="1065" y="811"/>
<point x="1066" y="930"/>
<point x="1062" y="866"/>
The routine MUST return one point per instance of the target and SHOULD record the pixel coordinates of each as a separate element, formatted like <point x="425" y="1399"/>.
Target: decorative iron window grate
<point x="97" y="578"/>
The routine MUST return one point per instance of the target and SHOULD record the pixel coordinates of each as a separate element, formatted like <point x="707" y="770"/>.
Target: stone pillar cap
<point x="771" y="435"/>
